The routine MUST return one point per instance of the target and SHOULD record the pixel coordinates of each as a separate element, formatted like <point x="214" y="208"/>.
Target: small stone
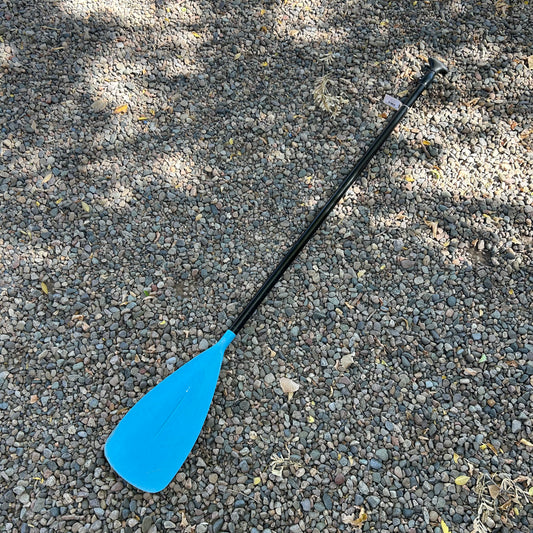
<point x="339" y="478"/>
<point x="204" y="345"/>
<point x="373" y="501"/>
<point x="375" y="464"/>
<point x="306" y="505"/>
<point x="382" y="454"/>
<point x="363" y="488"/>
<point x="328" y="502"/>
<point x="516" y="426"/>
<point x="270" y="378"/>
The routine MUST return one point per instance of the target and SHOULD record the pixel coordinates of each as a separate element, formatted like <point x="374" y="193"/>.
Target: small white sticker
<point x="392" y="102"/>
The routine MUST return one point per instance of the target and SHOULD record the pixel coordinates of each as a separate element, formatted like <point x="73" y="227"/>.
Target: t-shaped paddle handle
<point x="437" y="67"/>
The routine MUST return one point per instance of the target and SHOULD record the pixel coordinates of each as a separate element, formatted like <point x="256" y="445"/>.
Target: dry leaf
<point x="462" y="480"/>
<point x="444" y="527"/>
<point x="184" y="522"/>
<point x="455" y="458"/>
<point x="471" y="371"/>
<point x="346" y="361"/>
<point x="492" y="448"/>
<point x="86" y="207"/>
<point x="197" y="35"/>
<point x="356" y="522"/>
<point x="426" y="143"/>
<point x="288" y="386"/>
<point x="530" y="62"/>
<point x="47" y="178"/>
<point x="44" y="287"/>
<point x="433" y="226"/>
<point x="494" y="491"/>
<point x="409" y="178"/>
<point x="526" y="442"/>
<point x="236" y="56"/>
<point x="121" y="109"/>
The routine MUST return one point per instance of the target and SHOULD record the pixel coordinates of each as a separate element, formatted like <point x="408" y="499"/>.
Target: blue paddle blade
<point x="154" y="438"/>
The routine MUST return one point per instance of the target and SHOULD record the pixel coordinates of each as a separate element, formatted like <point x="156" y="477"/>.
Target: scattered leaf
<point x="47" y="178"/>
<point x="530" y="491"/>
<point x="257" y="480"/>
<point x="494" y="491"/>
<point x="288" y="386"/>
<point x="183" y="522"/>
<point x="434" y="227"/>
<point x="142" y="118"/>
<point x="44" y="287"/>
<point x="310" y="419"/>
<point x="526" y="442"/>
<point x="346" y="361"/>
<point x="530" y="62"/>
<point x="426" y="143"/>
<point x="471" y="371"/>
<point x="34" y="398"/>
<point x="264" y="64"/>
<point x="409" y="178"/>
<point x="197" y="35"/>
<point x="462" y="480"/>
<point x="121" y="109"/>
<point x="356" y="522"/>
<point x="86" y="207"/>
<point x="492" y="448"/>
<point x="444" y="527"/>
<point x="237" y="56"/>
<point x="455" y="457"/>
<point x="483" y="358"/>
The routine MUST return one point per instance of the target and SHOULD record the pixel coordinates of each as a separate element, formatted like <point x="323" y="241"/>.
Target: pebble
<point x="373" y="501"/>
<point x="382" y="454"/>
<point x="328" y="502"/>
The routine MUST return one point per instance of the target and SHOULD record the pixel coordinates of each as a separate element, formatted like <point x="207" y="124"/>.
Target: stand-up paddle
<point x="155" y="437"/>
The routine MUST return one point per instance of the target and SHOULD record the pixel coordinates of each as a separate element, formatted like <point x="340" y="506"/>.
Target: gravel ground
<point x="131" y="237"/>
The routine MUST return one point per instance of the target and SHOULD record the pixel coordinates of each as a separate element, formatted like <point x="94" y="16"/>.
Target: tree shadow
<point x="201" y="199"/>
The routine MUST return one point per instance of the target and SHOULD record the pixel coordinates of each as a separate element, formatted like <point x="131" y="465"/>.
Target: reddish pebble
<point x="339" y="478"/>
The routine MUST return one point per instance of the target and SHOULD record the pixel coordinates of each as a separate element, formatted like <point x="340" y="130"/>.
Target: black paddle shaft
<point x="435" y="67"/>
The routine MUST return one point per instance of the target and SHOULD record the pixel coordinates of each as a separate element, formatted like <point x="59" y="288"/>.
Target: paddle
<point x="154" y="438"/>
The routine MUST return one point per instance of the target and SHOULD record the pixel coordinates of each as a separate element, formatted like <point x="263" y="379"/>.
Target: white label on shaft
<point x="392" y="102"/>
